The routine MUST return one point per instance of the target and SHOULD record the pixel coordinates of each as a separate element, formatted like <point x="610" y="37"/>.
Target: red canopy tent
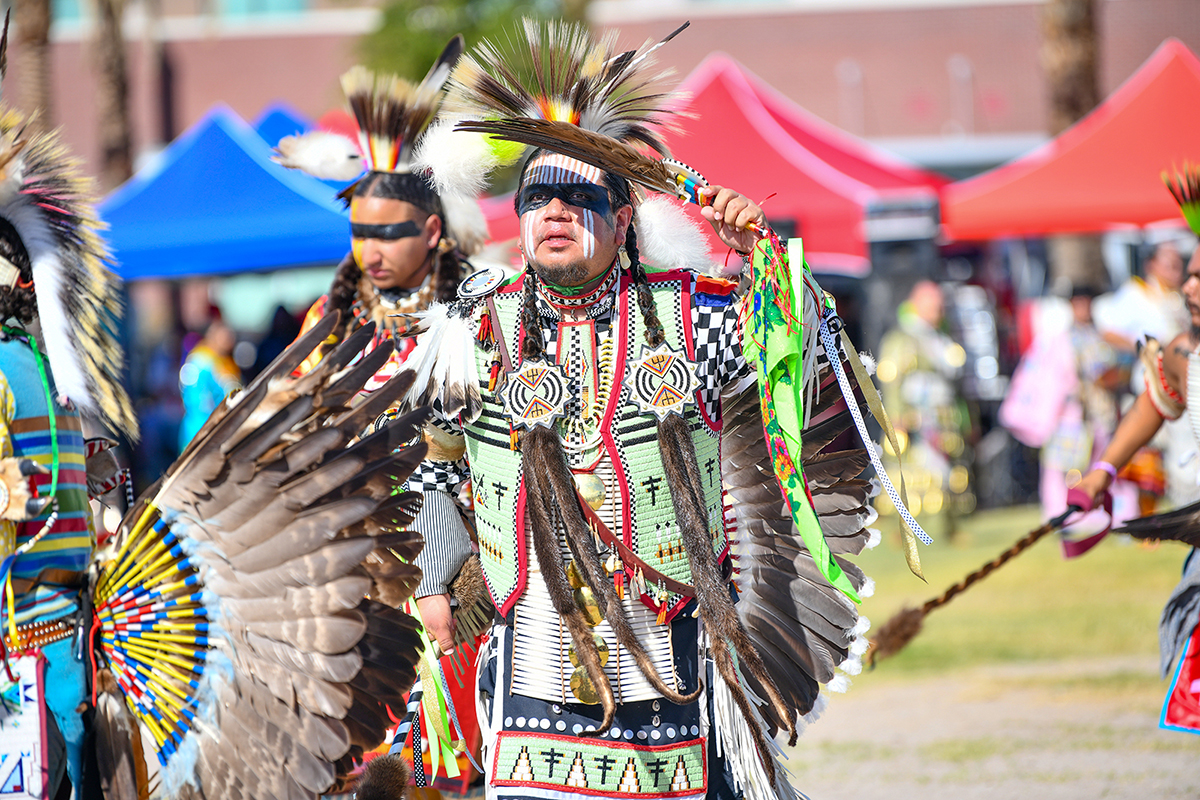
<point x="1102" y="172"/>
<point x="849" y="154"/>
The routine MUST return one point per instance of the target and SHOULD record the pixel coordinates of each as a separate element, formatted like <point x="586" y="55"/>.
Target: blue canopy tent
<point x="214" y="203"/>
<point x="279" y="120"/>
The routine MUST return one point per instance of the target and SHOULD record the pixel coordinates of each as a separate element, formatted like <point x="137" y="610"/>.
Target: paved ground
<point x="1060" y="731"/>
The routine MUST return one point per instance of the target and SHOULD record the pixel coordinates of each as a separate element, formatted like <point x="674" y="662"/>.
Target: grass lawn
<point x="1038" y="607"/>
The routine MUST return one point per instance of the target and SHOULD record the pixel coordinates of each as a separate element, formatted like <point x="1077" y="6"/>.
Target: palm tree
<point x="31" y="26"/>
<point x="112" y="96"/>
<point x="1069" y="59"/>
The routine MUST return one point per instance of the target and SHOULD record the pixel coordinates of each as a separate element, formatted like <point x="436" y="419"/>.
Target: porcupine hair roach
<point x="415" y="190"/>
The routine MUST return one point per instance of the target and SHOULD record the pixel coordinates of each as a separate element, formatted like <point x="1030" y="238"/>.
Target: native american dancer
<point x="663" y="609"/>
<point x="58" y="357"/>
<point x="409" y="245"/>
<point x="1172" y="380"/>
<point x="225" y="624"/>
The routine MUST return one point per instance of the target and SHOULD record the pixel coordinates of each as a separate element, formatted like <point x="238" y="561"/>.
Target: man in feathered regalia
<point x="670" y="585"/>
<point x="58" y="357"/>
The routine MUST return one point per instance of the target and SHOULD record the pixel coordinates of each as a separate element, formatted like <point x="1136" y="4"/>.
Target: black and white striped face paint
<point x="573" y="222"/>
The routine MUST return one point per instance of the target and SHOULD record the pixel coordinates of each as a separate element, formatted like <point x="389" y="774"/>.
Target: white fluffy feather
<point x="670" y="239"/>
<point x="46" y="265"/>
<point x="868" y="361"/>
<point x="460" y="161"/>
<point x="444" y="359"/>
<point x="322" y="154"/>
<point x="874" y="537"/>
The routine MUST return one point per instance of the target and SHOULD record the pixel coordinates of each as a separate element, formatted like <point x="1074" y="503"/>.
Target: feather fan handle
<point x="440" y="716"/>
<point x="1185" y="188"/>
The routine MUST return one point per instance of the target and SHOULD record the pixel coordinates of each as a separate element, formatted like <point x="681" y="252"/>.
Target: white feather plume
<point x="58" y="336"/>
<point x="444" y="362"/>
<point x="669" y="238"/>
<point x="322" y="154"/>
<point x="460" y="162"/>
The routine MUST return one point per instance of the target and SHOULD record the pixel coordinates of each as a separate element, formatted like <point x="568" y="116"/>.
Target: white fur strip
<point x="460" y="161"/>
<point x="58" y="338"/>
<point x="668" y="238"/>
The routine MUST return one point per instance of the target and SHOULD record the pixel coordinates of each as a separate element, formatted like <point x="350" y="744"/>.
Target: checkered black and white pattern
<point x="719" y="359"/>
<point x="438" y="476"/>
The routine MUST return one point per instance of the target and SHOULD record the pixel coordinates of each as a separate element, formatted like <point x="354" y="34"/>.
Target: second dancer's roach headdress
<point x="393" y="116"/>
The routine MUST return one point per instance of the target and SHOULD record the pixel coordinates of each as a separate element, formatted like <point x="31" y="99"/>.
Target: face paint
<point x="577" y="185"/>
<point x="385" y="233"/>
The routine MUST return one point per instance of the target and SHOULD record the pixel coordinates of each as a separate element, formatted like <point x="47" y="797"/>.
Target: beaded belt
<point x="34" y="635"/>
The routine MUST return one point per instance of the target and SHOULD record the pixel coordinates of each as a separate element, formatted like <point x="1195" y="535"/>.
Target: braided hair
<point x="20" y="301"/>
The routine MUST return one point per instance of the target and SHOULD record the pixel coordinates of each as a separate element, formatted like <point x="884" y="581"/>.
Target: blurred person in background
<point x="208" y="374"/>
<point x="284" y="329"/>
<point x="919" y="367"/>
<point x="1152" y="306"/>
<point x="1063" y="400"/>
<point x="1170" y="371"/>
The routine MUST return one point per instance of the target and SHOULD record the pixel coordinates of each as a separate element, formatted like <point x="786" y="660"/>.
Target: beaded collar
<point x="557" y="298"/>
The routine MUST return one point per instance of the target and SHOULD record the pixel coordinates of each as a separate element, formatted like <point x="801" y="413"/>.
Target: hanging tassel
<point x="494" y="374"/>
<point x="484" y="336"/>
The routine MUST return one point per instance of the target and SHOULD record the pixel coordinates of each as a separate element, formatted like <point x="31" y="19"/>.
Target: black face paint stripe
<point x="580" y="195"/>
<point x="396" y="230"/>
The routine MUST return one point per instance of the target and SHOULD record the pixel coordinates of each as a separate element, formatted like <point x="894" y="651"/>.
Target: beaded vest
<point x="612" y="444"/>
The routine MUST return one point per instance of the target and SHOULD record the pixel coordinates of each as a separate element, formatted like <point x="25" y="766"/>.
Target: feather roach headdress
<point x="51" y="207"/>
<point x="562" y="75"/>
<point x="571" y="93"/>
<point x="393" y="117"/>
<point x="1185" y="187"/>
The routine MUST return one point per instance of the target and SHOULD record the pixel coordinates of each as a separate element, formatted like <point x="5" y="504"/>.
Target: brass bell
<point x="591" y="488"/>
<point x="601" y="649"/>
<point x="586" y="601"/>
<point x="583" y="688"/>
